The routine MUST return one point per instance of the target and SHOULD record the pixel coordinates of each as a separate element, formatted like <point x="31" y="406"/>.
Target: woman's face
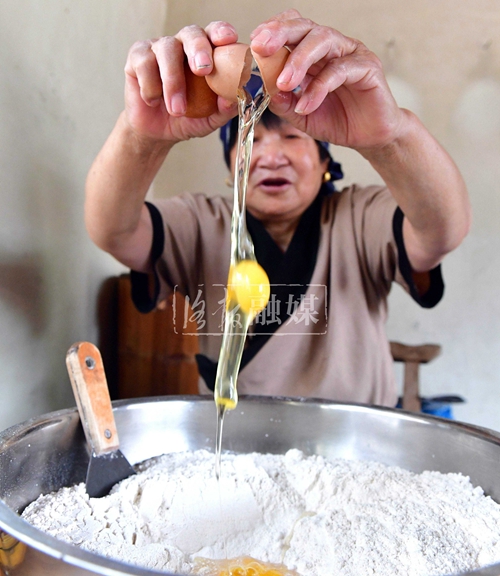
<point x="285" y="173"/>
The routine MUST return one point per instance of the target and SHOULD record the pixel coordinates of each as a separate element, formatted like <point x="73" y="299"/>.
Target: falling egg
<point x="248" y="285"/>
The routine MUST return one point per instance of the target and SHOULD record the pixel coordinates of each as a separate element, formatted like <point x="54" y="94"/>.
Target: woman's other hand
<point x="332" y="86"/>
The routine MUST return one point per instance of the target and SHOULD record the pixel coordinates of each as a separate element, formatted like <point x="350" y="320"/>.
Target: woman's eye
<point x="291" y="137"/>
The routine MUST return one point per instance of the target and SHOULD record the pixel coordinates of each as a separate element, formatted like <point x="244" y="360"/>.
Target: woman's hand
<point x="341" y="96"/>
<point x="332" y="86"/>
<point x="153" y="121"/>
<point x="155" y="86"/>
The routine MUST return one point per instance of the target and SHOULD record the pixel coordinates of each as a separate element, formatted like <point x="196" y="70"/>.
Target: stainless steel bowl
<point x="49" y="452"/>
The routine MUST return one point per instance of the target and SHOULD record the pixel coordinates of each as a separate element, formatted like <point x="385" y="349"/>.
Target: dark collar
<point x="289" y="274"/>
<point x="296" y="265"/>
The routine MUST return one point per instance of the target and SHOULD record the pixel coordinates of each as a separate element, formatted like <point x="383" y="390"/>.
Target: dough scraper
<point x="107" y="464"/>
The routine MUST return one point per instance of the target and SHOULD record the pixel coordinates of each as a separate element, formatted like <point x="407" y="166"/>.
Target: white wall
<point x="61" y="92"/>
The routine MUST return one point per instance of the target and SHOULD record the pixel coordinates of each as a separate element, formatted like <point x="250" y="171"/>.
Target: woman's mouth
<point x="274" y="184"/>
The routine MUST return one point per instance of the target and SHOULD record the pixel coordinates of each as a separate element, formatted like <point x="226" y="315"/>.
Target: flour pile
<point x="317" y="517"/>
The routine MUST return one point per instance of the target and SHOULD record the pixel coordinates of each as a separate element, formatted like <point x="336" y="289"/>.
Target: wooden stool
<point x="412" y="357"/>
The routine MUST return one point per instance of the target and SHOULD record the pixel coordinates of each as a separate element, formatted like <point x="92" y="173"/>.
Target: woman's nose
<point x="269" y="153"/>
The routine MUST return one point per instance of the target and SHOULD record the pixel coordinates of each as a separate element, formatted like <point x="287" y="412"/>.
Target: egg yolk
<point x="245" y="566"/>
<point x="254" y="570"/>
<point x="248" y="285"/>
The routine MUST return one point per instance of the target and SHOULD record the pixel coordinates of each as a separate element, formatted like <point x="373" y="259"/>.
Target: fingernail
<point x="178" y="104"/>
<point x="301" y="105"/>
<point x="262" y="37"/>
<point x="224" y="31"/>
<point x="286" y="76"/>
<point x="202" y="60"/>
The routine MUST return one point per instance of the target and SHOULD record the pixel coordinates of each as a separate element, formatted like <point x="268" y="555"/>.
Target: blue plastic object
<point x="438" y="405"/>
<point x="437" y="409"/>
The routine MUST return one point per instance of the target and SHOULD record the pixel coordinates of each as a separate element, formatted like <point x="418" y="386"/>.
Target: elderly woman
<point x="331" y="256"/>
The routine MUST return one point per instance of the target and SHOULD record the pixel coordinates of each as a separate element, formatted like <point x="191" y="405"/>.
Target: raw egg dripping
<point x="248" y="288"/>
<point x="248" y="285"/>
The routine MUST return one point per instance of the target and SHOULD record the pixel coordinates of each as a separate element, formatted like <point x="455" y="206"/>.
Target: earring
<point x="228" y="182"/>
<point x="326" y="177"/>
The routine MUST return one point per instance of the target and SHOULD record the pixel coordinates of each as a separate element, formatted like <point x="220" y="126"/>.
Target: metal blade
<point x="105" y="471"/>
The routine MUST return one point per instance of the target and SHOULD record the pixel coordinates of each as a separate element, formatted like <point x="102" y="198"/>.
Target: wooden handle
<point x="90" y="388"/>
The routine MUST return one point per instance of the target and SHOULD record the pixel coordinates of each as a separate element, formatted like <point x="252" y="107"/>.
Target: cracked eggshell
<point x="201" y="101"/>
<point x="270" y="68"/>
<point x="232" y="69"/>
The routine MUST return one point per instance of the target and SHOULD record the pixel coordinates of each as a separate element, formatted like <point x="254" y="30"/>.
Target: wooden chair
<point x="412" y="357"/>
<point x="146" y="354"/>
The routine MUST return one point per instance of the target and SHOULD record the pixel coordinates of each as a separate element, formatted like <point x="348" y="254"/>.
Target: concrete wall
<point x="62" y="90"/>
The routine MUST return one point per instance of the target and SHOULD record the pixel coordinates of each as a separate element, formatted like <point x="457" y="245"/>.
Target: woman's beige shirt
<point x="334" y="345"/>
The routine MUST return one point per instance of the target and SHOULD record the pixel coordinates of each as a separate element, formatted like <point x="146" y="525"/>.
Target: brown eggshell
<point x="270" y="68"/>
<point x="232" y="70"/>
<point x="201" y="100"/>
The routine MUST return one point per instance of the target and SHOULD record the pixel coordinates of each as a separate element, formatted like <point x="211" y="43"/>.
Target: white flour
<point x="318" y="517"/>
